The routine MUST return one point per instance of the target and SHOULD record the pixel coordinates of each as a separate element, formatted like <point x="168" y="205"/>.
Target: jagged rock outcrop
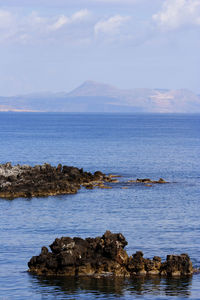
<point x="45" y="180"/>
<point x="103" y="256"/>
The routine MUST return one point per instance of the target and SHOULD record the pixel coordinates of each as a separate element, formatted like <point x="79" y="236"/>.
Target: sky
<point x="56" y="45"/>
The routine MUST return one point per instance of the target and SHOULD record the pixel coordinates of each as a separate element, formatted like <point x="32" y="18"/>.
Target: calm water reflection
<point x="113" y="287"/>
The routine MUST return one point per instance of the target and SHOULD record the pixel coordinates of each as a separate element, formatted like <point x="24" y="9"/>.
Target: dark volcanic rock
<point x="102" y="256"/>
<point x="45" y="180"/>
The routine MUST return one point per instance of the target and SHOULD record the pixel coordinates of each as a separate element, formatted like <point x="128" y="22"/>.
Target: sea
<point x="158" y="220"/>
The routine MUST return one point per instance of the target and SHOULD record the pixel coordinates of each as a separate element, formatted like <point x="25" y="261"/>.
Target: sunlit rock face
<point x="103" y="256"/>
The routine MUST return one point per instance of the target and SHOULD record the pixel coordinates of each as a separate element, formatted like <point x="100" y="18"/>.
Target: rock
<point x="115" y="180"/>
<point x="147" y="181"/>
<point x="104" y="256"/>
<point x="99" y="175"/>
<point x="45" y="180"/>
<point x="144" y="180"/>
<point x="101" y="255"/>
<point x="161" y="180"/>
<point x="89" y="186"/>
<point x="177" y="265"/>
<point x="102" y="186"/>
<point x="114" y="176"/>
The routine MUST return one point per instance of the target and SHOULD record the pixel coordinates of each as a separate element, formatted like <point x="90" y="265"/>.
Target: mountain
<point x="97" y="97"/>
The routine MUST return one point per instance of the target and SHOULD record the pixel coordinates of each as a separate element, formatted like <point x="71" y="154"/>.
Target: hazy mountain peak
<point x="92" y="96"/>
<point x="95" y="83"/>
<point x="89" y="83"/>
<point x="92" y="88"/>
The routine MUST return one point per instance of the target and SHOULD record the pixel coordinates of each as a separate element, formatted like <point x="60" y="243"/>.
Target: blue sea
<point x="158" y="220"/>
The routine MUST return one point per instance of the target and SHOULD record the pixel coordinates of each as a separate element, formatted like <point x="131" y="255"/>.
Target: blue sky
<point x="55" y="45"/>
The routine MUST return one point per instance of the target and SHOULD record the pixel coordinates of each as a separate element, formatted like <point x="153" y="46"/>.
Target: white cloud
<point x="77" y="17"/>
<point x="80" y="26"/>
<point x="60" y="22"/>
<point x="34" y="19"/>
<point x="33" y="27"/>
<point x="110" y="26"/>
<point x="80" y="15"/>
<point x="178" y="13"/>
<point x="6" y="19"/>
<point x="8" y="24"/>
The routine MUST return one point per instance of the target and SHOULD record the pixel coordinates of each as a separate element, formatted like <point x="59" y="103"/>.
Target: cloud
<point x="80" y="15"/>
<point x="6" y="19"/>
<point x="33" y="27"/>
<point x="77" y="17"/>
<point x="62" y="20"/>
<point x="8" y="24"/>
<point x="63" y="3"/>
<point x="110" y="26"/>
<point x="81" y="26"/>
<point x="177" y="13"/>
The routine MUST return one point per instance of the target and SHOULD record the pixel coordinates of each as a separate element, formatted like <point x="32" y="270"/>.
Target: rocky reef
<point x="46" y="180"/>
<point x="104" y="256"/>
<point x="148" y="181"/>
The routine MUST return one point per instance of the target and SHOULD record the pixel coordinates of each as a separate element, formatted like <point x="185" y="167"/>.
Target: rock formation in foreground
<point x="46" y="180"/>
<point x="103" y="256"/>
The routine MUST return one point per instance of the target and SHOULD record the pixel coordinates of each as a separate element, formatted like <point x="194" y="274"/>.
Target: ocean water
<point x="159" y="220"/>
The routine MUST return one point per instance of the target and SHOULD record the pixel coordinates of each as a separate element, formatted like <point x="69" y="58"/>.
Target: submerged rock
<point x="45" y="180"/>
<point x="103" y="256"/>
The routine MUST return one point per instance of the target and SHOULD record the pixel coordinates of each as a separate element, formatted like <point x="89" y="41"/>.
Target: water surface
<point x="158" y="220"/>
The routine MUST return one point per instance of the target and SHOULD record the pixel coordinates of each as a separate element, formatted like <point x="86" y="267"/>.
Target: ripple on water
<point x="158" y="220"/>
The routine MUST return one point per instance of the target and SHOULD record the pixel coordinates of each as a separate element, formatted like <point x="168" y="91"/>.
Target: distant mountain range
<point x="97" y="97"/>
